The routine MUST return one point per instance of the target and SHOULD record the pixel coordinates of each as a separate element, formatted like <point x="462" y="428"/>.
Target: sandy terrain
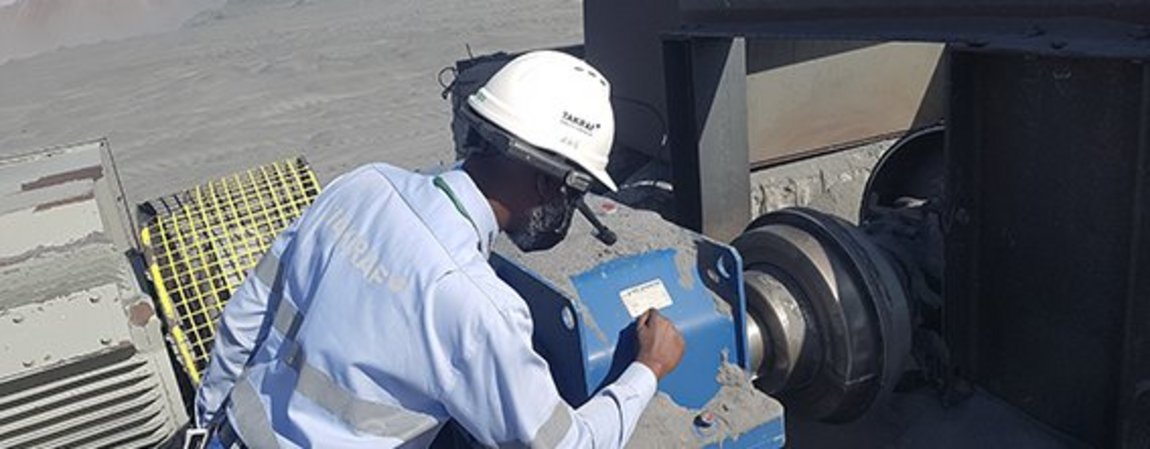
<point x="343" y="82"/>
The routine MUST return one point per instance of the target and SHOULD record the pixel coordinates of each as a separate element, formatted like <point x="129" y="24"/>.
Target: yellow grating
<point x="200" y="250"/>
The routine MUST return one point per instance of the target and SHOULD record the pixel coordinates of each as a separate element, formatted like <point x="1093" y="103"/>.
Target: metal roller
<point x="913" y="169"/>
<point x="829" y="327"/>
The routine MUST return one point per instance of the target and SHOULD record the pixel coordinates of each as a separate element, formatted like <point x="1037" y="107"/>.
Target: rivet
<point x="18" y="319"/>
<point x="29" y="363"/>
<point x="1058" y="45"/>
<point x="105" y="341"/>
<point x="94" y="299"/>
<point x="568" y="318"/>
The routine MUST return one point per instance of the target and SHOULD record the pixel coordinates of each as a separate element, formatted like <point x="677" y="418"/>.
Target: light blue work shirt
<point x="376" y="317"/>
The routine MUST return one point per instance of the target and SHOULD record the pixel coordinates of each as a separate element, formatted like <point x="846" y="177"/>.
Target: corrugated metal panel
<point x="82" y="359"/>
<point x="115" y="401"/>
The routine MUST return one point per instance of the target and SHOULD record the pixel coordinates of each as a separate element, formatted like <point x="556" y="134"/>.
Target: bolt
<point x="94" y="299"/>
<point x="962" y="216"/>
<point x="1058" y="45"/>
<point x="105" y="341"/>
<point x="29" y="363"/>
<point x="18" y="319"/>
<point x="568" y="318"/>
<point x="705" y="420"/>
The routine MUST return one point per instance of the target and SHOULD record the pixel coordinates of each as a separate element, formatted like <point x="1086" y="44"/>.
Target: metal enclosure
<point x="1048" y="281"/>
<point x="82" y="359"/>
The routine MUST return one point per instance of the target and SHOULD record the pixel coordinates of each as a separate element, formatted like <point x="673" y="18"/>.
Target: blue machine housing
<point x="578" y="294"/>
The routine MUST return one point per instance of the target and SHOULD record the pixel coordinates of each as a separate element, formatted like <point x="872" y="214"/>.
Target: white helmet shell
<point x="556" y="102"/>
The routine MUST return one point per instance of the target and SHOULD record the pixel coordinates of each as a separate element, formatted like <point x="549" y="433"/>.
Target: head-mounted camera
<point x="490" y="137"/>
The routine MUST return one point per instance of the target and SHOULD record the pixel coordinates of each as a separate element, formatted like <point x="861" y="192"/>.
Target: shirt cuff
<point x="641" y="380"/>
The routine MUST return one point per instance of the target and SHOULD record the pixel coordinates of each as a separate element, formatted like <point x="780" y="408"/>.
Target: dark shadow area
<point x="626" y="348"/>
<point x="932" y="109"/>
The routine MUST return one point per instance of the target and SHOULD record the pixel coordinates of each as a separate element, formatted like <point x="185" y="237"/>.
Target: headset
<point x="487" y="136"/>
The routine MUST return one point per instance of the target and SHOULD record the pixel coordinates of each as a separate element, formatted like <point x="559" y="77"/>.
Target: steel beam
<point x="706" y="80"/>
<point x="1119" y="28"/>
<point x="1133" y="11"/>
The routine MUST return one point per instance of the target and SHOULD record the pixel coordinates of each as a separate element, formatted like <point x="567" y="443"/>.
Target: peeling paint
<point x="686" y="265"/>
<point x="66" y="201"/>
<point x="140" y="313"/>
<point x="93" y="173"/>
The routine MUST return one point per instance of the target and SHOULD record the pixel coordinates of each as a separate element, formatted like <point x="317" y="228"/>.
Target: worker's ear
<point x="547" y="186"/>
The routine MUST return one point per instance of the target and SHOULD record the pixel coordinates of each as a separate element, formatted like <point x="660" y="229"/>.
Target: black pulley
<point x="913" y="169"/>
<point x="829" y="314"/>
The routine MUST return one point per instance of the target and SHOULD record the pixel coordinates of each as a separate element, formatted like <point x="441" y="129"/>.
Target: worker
<point x="375" y="318"/>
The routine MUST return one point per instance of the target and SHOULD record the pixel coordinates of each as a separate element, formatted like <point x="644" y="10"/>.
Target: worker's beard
<point x="546" y="225"/>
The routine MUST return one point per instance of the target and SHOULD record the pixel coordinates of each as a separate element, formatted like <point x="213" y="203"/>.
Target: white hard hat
<point x="556" y="102"/>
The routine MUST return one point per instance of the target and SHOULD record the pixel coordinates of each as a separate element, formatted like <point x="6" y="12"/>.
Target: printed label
<point x="644" y="296"/>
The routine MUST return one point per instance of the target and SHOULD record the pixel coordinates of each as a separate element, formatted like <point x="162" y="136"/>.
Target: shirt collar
<point x="473" y="200"/>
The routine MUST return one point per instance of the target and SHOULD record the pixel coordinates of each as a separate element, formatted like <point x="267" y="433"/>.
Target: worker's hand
<point x="660" y="343"/>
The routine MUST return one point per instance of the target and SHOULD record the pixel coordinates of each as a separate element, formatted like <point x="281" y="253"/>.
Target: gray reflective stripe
<point x="268" y="269"/>
<point x="250" y="418"/>
<point x="368" y="417"/>
<point x="552" y="431"/>
<point x="287" y="316"/>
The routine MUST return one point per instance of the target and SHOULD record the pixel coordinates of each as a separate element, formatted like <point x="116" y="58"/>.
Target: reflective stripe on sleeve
<point x="287" y="315"/>
<point x="251" y="420"/>
<point x="552" y="431"/>
<point x="268" y="269"/>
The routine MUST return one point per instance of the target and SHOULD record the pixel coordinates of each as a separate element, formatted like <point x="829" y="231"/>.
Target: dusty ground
<point x="343" y="82"/>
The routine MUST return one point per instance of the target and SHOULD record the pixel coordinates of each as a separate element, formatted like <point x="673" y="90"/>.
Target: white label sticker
<point x="650" y="294"/>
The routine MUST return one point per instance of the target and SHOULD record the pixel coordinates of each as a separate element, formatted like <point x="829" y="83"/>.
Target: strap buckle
<point x="196" y="438"/>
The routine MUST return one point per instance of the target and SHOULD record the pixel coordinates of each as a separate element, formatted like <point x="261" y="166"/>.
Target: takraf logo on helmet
<point x="584" y="126"/>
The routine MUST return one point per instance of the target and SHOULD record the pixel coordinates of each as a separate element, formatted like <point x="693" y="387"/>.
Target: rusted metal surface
<point x="82" y="361"/>
<point x="91" y="173"/>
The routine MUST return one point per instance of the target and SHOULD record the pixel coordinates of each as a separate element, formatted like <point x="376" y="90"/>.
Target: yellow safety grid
<point x="200" y="251"/>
